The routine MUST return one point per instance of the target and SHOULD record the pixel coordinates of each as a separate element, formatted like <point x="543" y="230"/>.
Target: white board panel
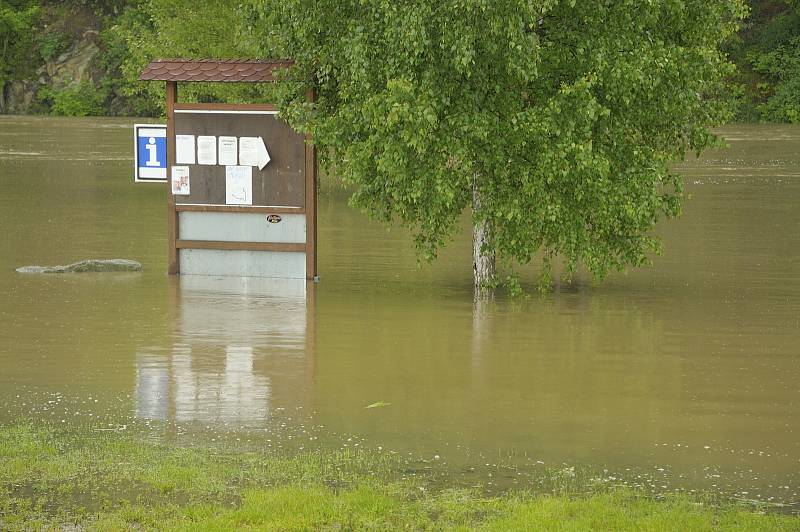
<point x="241" y="263"/>
<point x="241" y="227"/>
<point x="152" y="132"/>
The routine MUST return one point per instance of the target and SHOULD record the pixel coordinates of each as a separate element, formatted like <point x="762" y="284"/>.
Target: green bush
<point x="119" y="50"/>
<point x="783" y="66"/>
<point x="16" y="38"/>
<point x="768" y="55"/>
<point x="81" y="100"/>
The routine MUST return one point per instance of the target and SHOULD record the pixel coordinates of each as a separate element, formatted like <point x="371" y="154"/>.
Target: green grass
<point x="113" y="481"/>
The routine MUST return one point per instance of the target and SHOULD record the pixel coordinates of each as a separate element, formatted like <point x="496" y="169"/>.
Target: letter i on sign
<point x="152" y="151"/>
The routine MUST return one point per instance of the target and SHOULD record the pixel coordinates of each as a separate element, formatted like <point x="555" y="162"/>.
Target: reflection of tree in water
<point x="229" y="333"/>
<point x="482" y="304"/>
<point x="598" y="375"/>
<point x="484" y="373"/>
<point x="577" y="370"/>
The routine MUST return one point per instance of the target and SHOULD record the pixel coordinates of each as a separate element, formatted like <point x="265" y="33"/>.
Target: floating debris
<point x="379" y="404"/>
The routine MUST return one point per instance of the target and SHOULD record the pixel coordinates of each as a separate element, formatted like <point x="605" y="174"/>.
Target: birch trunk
<point x="483" y="262"/>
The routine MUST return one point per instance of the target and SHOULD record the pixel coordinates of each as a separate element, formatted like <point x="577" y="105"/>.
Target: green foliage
<point x="80" y="100"/>
<point x="782" y="65"/>
<point x="768" y="52"/>
<point x="150" y="29"/>
<point x="135" y="31"/>
<point x="17" y="19"/>
<point x="51" y="44"/>
<point x="122" y="62"/>
<point x="564" y="115"/>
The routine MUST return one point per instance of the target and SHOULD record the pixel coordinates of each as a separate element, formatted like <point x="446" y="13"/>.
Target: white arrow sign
<point x="253" y="152"/>
<point x="263" y="154"/>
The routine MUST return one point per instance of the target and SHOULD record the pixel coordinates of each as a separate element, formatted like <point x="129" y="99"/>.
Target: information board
<point x="239" y="158"/>
<point x="242" y="191"/>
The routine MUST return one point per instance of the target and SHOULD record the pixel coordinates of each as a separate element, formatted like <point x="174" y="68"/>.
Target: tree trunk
<point x="483" y="261"/>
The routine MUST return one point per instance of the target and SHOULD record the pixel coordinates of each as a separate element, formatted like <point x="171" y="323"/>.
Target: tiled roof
<point x="226" y="70"/>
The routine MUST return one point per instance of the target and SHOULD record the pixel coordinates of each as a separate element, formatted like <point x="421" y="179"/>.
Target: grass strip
<point x="55" y="479"/>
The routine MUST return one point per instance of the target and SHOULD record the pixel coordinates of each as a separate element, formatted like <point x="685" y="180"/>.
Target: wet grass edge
<point x="52" y="478"/>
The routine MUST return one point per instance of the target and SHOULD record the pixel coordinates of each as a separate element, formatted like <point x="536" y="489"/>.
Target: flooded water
<point x="685" y="375"/>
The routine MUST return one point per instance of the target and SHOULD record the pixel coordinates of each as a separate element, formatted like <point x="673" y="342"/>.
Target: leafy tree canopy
<point x="775" y="55"/>
<point x="565" y="115"/>
<point x="150" y="29"/>
<point x="16" y="36"/>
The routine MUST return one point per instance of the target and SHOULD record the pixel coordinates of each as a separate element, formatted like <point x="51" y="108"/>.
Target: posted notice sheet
<point x="180" y="180"/>
<point x="253" y="152"/>
<point x="206" y="150"/>
<point x="239" y="185"/>
<point x="184" y="149"/>
<point x="227" y="151"/>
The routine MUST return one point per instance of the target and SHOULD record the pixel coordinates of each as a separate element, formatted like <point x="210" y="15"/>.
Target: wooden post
<point x="172" y="216"/>
<point x="311" y="202"/>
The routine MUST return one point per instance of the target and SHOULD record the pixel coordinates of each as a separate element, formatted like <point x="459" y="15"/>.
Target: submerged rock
<point x="85" y="266"/>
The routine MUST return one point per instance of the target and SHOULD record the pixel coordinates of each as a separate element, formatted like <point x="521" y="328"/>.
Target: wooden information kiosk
<point x="242" y="184"/>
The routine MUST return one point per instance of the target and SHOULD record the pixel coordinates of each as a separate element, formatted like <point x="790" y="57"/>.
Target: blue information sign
<point x="150" y="148"/>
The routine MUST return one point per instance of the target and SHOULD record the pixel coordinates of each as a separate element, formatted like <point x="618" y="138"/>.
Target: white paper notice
<point x="184" y="149"/>
<point x="180" y="180"/>
<point x="253" y="152"/>
<point x="239" y="185"/>
<point x="206" y="150"/>
<point x="227" y="151"/>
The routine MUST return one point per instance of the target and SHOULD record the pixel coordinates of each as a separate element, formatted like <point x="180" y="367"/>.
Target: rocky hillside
<point x="72" y="71"/>
<point x="61" y="58"/>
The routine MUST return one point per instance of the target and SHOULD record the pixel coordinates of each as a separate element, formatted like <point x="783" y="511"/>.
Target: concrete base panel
<point x="241" y="227"/>
<point x="241" y="263"/>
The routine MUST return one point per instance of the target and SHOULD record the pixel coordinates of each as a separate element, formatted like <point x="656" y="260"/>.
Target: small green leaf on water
<point x="378" y="404"/>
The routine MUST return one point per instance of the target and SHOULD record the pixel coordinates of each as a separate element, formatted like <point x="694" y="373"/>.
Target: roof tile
<point x="228" y="70"/>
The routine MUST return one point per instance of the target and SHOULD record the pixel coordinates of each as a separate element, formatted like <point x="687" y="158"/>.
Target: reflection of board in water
<point x="230" y="331"/>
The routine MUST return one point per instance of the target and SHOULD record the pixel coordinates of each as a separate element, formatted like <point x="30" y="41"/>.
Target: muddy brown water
<point x="681" y="376"/>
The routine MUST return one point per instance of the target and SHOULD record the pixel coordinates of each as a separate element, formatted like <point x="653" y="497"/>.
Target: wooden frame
<point x="226" y="107"/>
<point x="258" y="209"/>
<point x="248" y="246"/>
<point x="173" y="208"/>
